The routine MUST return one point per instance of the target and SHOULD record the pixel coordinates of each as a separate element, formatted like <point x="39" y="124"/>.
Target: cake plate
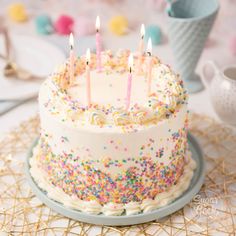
<point x="123" y="220"/>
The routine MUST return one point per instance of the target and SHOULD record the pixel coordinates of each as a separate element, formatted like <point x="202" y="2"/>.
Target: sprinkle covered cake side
<point x="104" y="158"/>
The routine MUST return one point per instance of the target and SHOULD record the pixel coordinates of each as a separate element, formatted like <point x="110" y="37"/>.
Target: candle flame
<point x="149" y="46"/>
<point x="97" y="25"/>
<point x="71" y="40"/>
<point x="88" y="56"/>
<point x="131" y="61"/>
<point x="142" y="30"/>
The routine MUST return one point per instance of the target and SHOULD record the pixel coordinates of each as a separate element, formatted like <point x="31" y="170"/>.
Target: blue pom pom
<point x="153" y="32"/>
<point x="44" y="24"/>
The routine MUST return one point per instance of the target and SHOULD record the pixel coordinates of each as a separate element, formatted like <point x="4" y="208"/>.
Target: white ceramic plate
<point x="33" y="54"/>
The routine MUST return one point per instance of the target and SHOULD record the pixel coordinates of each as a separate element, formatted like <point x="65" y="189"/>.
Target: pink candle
<point x="149" y="66"/>
<point x="72" y="59"/>
<point x="88" y="87"/>
<point x="141" y="48"/>
<point x="98" y="44"/>
<point x="129" y="86"/>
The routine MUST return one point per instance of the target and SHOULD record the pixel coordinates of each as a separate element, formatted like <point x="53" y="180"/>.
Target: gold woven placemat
<point x="211" y="212"/>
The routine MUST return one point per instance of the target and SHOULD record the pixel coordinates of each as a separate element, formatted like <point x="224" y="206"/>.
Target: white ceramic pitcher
<point x="222" y="86"/>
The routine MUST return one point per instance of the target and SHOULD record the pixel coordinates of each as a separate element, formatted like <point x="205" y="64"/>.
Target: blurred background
<point x="35" y="39"/>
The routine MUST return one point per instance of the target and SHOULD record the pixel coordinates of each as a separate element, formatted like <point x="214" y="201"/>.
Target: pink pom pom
<point x="232" y="45"/>
<point x="84" y="26"/>
<point x="64" y="25"/>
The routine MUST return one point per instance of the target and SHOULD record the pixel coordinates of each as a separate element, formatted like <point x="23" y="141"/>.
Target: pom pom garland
<point x="64" y="25"/>
<point x="44" y="24"/>
<point x="17" y="12"/>
<point x="118" y="25"/>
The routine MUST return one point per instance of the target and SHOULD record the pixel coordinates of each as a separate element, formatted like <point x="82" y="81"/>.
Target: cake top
<point x="109" y="93"/>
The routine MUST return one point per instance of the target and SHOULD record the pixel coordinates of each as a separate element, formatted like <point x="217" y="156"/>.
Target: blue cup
<point x="190" y="22"/>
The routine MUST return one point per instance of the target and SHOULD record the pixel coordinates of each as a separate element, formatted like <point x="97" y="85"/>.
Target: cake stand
<point x="123" y="220"/>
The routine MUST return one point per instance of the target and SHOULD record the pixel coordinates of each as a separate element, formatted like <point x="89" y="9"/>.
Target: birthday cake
<point x="99" y="154"/>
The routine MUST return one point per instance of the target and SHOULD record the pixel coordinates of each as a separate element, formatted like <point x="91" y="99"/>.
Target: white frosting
<point x="92" y="207"/>
<point x="164" y="195"/>
<point x="96" y="118"/>
<point x="75" y="203"/>
<point x="114" y="209"/>
<point x="149" y="205"/>
<point x="132" y="208"/>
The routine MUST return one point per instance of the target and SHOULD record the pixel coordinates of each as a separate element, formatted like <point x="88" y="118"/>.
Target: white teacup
<point x="222" y="86"/>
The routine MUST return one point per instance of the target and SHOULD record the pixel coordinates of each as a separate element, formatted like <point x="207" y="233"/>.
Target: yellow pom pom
<point x="118" y="25"/>
<point x="17" y="12"/>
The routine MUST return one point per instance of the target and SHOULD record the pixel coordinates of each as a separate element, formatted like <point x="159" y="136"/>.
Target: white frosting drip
<point x="114" y="209"/>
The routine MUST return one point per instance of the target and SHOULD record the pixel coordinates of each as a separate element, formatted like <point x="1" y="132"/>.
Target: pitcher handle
<point x="206" y="79"/>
